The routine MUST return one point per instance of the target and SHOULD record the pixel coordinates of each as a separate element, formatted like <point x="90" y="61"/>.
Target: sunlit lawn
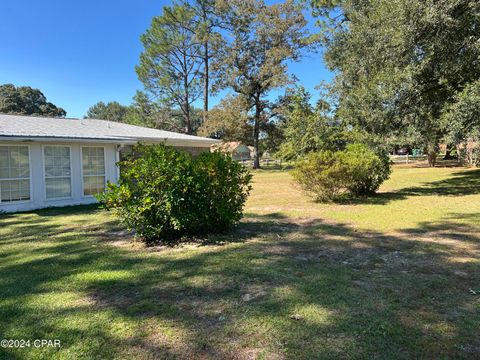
<point x="394" y="276"/>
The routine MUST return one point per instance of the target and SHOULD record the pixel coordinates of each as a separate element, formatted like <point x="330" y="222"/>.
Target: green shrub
<point x="164" y="194"/>
<point x="322" y="174"/>
<point x="357" y="170"/>
<point x="366" y="170"/>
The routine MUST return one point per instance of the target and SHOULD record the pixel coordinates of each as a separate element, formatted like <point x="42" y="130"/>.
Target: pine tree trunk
<point x="186" y="111"/>
<point x="256" y="134"/>
<point x="205" y="84"/>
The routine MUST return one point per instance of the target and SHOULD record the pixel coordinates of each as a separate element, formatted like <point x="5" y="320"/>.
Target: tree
<point x="169" y="65"/>
<point x="228" y="121"/>
<point x="24" y="100"/>
<point x="207" y="26"/>
<point x="112" y="111"/>
<point x="261" y="40"/>
<point x="308" y="128"/>
<point x="400" y="63"/>
<point x="461" y="120"/>
<point x="145" y="112"/>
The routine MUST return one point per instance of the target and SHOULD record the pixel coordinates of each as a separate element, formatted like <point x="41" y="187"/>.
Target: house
<point x="48" y="162"/>
<point x="236" y="149"/>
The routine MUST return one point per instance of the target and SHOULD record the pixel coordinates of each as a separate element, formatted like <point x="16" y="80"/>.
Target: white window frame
<point x="104" y="168"/>
<point x="30" y="182"/>
<point x="45" y="175"/>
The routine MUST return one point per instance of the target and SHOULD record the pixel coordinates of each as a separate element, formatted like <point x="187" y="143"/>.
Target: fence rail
<point x="406" y="159"/>
<point x="266" y="162"/>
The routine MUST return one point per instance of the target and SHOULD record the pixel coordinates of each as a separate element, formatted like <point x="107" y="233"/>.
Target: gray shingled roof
<point x="17" y="126"/>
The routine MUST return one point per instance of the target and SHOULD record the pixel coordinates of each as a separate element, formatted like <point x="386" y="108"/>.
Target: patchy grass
<point x="393" y="276"/>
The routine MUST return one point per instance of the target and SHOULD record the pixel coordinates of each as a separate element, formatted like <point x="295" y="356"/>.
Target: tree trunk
<point x="256" y="133"/>
<point x="188" y="127"/>
<point x="448" y="149"/>
<point x="459" y="155"/>
<point x="432" y="158"/>
<point x="186" y="116"/>
<point x="205" y="84"/>
<point x="186" y="111"/>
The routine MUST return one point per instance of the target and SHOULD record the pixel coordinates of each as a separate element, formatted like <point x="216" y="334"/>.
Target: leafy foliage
<point x="113" y="111"/>
<point x="307" y="128"/>
<point x="357" y="170"/>
<point x="321" y="174"/>
<point x="400" y="63"/>
<point x="261" y="40"/>
<point x="228" y="121"/>
<point x="365" y="169"/>
<point x="462" y="123"/>
<point x="143" y="111"/>
<point x="164" y="194"/>
<point x="24" y="100"/>
<point x="169" y="65"/>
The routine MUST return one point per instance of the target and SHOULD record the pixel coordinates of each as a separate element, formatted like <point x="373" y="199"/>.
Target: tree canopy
<point x="308" y="128"/>
<point x="113" y="111"/>
<point x="169" y="65"/>
<point x="399" y="64"/>
<point x="24" y="100"/>
<point x="260" y="41"/>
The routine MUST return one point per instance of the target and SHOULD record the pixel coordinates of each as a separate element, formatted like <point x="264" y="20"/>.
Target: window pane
<point x="4" y="156"/>
<point x="57" y="172"/>
<point x="14" y="173"/>
<point x="58" y="188"/>
<point x="93" y="185"/>
<point x="14" y="162"/>
<point x="14" y="190"/>
<point x="93" y="166"/>
<point x="4" y="172"/>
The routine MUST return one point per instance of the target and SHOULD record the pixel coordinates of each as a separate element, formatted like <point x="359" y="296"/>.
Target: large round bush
<point x="321" y="174"/>
<point x="165" y="194"/>
<point x="357" y="170"/>
<point x="366" y="169"/>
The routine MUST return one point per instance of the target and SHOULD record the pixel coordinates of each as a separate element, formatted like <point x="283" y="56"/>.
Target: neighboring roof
<point x="229" y="146"/>
<point x="34" y="127"/>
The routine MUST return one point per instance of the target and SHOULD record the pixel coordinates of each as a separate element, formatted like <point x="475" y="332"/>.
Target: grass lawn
<point x="396" y="276"/>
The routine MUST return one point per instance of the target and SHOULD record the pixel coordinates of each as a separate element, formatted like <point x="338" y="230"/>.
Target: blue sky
<point x="82" y="52"/>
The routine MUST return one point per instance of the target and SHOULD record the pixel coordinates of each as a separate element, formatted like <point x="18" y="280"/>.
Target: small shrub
<point x="320" y="173"/>
<point x="164" y="194"/>
<point x="357" y="170"/>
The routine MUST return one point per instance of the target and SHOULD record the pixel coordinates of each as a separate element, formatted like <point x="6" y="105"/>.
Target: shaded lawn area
<point x="394" y="276"/>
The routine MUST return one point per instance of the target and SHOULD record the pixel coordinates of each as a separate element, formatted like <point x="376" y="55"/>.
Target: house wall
<point x="37" y="178"/>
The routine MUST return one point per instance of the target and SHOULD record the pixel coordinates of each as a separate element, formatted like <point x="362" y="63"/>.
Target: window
<point x="14" y="173"/>
<point x="58" y="182"/>
<point x="93" y="166"/>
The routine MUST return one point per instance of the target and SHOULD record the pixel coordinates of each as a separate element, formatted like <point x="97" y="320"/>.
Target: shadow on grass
<point x="460" y="184"/>
<point x="294" y="288"/>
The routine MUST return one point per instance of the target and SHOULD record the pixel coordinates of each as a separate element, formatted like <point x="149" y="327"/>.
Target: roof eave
<point x="201" y="142"/>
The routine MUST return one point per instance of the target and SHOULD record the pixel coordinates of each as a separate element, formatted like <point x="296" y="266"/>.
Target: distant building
<point x="236" y="149"/>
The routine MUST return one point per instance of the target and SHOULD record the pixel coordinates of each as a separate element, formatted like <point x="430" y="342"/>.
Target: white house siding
<point x="37" y="177"/>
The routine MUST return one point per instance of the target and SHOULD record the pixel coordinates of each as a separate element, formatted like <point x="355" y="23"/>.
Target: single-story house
<point x="47" y="162"/>
<point x="236" y="149"/>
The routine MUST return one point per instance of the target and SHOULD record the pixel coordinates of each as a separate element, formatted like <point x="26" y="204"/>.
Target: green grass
<point x="385" y="277"/>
